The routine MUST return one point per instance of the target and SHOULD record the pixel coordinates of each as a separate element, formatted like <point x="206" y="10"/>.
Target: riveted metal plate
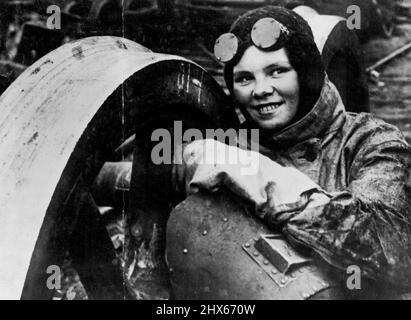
<point x="280" y="253"/>
<point x="279" y="278"/>
<point x="296" y="273"/>
<point x="225" y="263"/>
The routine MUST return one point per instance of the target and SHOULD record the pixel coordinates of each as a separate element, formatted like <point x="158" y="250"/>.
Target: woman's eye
<point x="278" y="71"/>
<point x="243" y="79"/>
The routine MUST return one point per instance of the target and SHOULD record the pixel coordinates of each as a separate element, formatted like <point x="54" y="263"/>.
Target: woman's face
<point x="266" y="88"/>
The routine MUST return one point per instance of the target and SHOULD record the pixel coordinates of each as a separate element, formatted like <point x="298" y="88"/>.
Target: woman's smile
<point x="266" y="88"/>
<point x="267" y="109"/>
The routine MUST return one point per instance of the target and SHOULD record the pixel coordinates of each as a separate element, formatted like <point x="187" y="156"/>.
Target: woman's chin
<point x="268" y="123"/>
<point x="276" y="122"/>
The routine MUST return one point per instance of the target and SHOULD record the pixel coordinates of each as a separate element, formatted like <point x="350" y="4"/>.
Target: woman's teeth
<point x="268" y="109"/>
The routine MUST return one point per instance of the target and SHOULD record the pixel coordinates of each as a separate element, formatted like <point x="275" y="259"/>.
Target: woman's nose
<point x="262" y="89"/>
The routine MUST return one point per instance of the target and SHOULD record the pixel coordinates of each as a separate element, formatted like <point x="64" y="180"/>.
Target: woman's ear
<point x="240" y="115"/>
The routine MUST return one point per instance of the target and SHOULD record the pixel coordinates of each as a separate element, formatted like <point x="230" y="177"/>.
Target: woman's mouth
<point x="267" y="108"/>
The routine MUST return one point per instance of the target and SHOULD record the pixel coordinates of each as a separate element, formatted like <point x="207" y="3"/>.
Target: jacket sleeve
<point x="368" y="223"/>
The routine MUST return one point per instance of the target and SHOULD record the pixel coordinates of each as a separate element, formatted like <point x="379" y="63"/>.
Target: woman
<point x="333" y="181"/>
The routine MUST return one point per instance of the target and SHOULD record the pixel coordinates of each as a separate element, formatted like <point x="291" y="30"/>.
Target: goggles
<point x="265" y="34"/>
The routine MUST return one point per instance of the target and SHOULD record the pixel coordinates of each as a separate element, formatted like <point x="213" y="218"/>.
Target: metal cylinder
<point x="61" y="120"/>
<point x="111" y="187"/>
<point x="215" y="250"/>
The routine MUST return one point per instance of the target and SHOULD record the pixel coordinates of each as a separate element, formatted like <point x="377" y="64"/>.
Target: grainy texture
<point x="364" y="163"/>
<point x="43" y="115"/>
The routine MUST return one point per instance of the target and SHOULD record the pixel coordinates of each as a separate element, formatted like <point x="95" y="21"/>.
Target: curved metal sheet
<point x="42" y="116"/>
<point x="213" y="253"/>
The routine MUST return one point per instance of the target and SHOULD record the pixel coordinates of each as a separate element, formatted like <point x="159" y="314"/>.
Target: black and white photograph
<point x="223" y="151"/>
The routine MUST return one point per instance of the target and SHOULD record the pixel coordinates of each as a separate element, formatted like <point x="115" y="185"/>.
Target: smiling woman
<point x="332" y="182"/>
<point x="281" y="46"/>
<point x="266" y="88"/>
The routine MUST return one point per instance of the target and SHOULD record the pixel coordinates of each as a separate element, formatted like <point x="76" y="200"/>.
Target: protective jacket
<point x="360" y="163"/>
<point x="364" y="165"/>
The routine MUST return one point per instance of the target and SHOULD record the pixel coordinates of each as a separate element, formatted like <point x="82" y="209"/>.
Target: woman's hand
<point x="274" y="189"/>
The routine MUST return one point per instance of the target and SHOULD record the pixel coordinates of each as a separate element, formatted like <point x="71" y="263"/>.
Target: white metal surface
<point x="42" y="116"/>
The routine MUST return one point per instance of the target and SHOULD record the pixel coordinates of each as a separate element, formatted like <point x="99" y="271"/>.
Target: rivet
<point x="283" y="280"/>
<point x="274" y="271"/>
<point x="255" y="254"/>
<point x="205" y="232"/>
<point x="225" y="219"/>
<point x="171" y="269"/>
<point x="305" y="295"/>
<point x="314" y="289"/>
<point x="185" y="251"/>
<point x="255" y="239"/>
<point x="247" y="245"/>
<point x="265" y="262"/>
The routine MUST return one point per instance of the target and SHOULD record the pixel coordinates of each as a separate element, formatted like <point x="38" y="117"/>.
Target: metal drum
<point x="216" y="249"/>
<point x="60" y="121"/>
